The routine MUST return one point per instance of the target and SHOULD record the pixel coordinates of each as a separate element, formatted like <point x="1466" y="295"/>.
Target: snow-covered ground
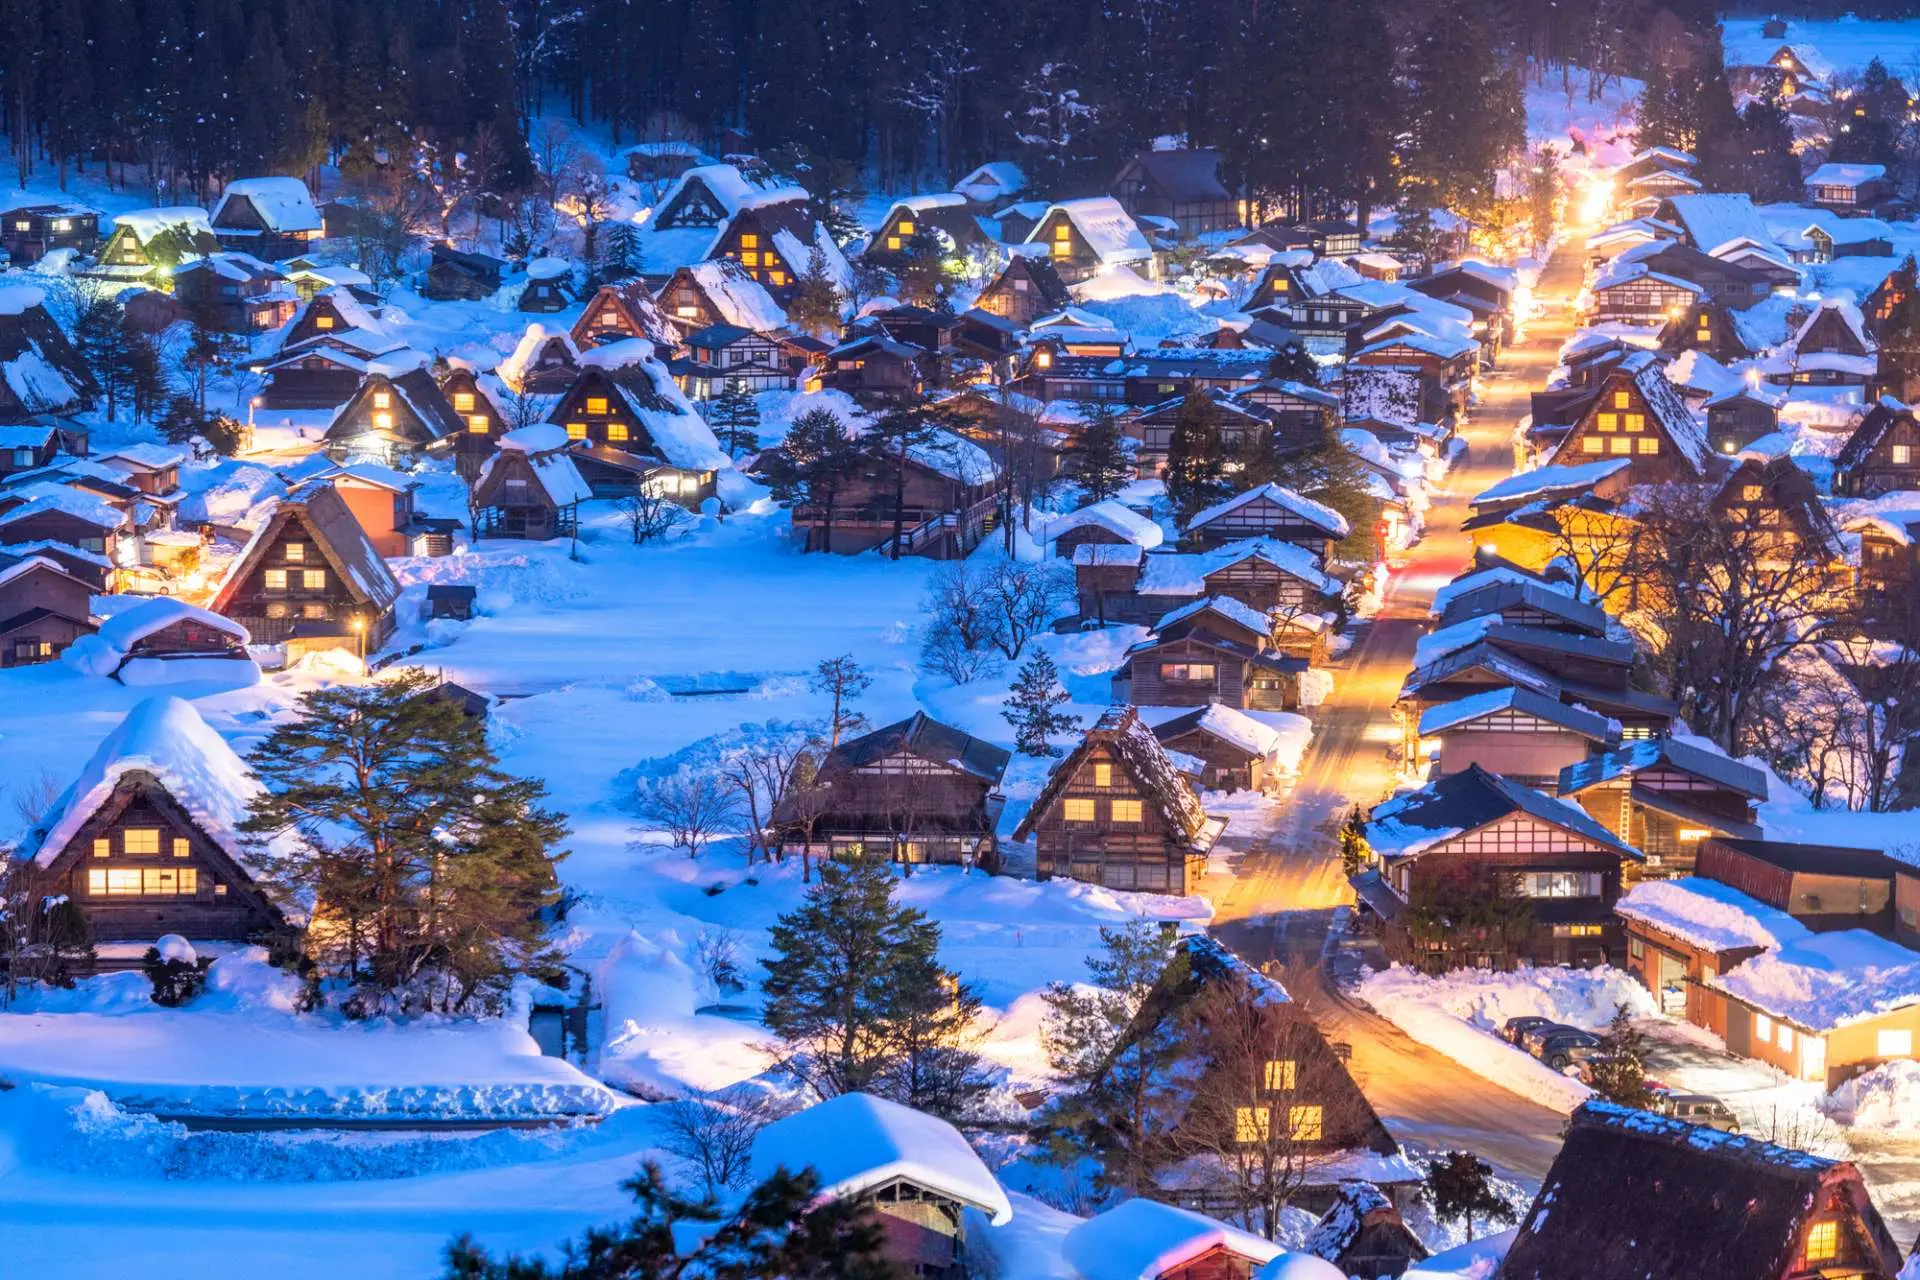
<point x="1849" y="43"/>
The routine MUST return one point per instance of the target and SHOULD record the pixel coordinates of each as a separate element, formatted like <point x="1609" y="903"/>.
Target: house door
<point x="1813" y="1059"/>
<point x="1671" y="984"/>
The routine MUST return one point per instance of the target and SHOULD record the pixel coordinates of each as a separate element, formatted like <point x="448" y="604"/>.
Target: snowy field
<point x="1849" y="43"/>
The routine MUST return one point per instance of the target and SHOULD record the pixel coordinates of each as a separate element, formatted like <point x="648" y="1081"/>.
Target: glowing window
<point x="576" y="431"/>
<point x="1077" y="810"/>
<point x="1823" y="1241"/>
<point x="751" y="258"/>
<point x="1250" y="1124"/>
<point x="1619" y="444"/>
<point x="1062" y="232"/>
<point x="1703" y="335"/>
<point x="181" y="848"/>
<point x="906" y="226"/>
<point x="1647" y="446"/>
<point x="596" y="404"/>
<point x="776" y="277"/>
<point x="140" y="840"/>
<point x="1902" y="455"/>
<point x="383" y="399"/>
<point x="1282" y="1074"/>
<point x="1124" y="810"/>
<point x="1609" y="422"/>
<point x="1592" y="444"/>
<point x="314" y="579"/>
<point x="1306" y="1124"/>
<point x="1636" y="422"/>
<point x="1621" y="400"/>
<point x="463" y="402"/>
<point x="1061" y="249"/>
<point x="1751" y="493"/>
<point x="748" y="240"/>
<point x="384" y="421"/>
<point x="477" y="424"/>
<point x="893" y="242"/>
<point x="617" y="432"/>
<point x="1103" y="775"/>
<point x="296" y="551"/>
<point x="276" y="579"/>
<point x="686" y="311"/>
<point x="323" y="322"/>
<point x="102" y="848"/>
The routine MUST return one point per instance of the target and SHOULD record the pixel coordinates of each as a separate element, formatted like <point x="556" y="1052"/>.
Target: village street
<point x="1283" y="901"/>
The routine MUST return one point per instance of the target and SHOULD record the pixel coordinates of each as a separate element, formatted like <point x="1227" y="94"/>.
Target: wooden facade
<point x="1027" y="288"/>
<point x="456" y="276"/>
<point x="1270" y="511"/>
<point x="1882" y="455"/>
<point x="943" y="511"/>
<point x="310" y="566"/>
<point x="31" y="231"/>
<point x="1116" y="812"/>
<point x="512" y="499"/>
<point x="914" y="791"/>
<point x="764" y="238"/>
<point x="43" y="609"/>
<point x="393" y="417"/>
<point x="1183" y="187"/>
<point x="1632" y="417"/>
<point x="1192" y="665"/>
<point x="606" y="409"/>
<point x="481" y="422"/>
<point x="1665" y="798"/>
<point x="625" y="309"/>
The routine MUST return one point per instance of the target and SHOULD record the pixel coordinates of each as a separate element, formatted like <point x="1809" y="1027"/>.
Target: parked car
<point x="1698" y="1108"/>
<point x="1531" y="1038"/>
<point x="1514" y="1028"/>
<point x="1563" y="1048"/>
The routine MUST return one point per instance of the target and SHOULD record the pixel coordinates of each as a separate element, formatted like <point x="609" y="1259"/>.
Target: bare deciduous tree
<point x="1023" y="597"/>
<point x="714" y="1133"/>
<point x="843" y="680"/>
<point x="691" y="805"/>
<point x="760" y="773"/>
<point x="650" y="515"/>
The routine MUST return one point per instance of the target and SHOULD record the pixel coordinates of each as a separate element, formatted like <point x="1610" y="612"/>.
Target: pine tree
<point x="1460" y="1188"/>
<point x="1872" y="116"/>
<point x="891" y="441"/>
<point x="851" y="984"/>
<point x="734" y="415"/>
<point x="1033" y="707"/>
<point x="428" y="864"/>
<point x="1618" y="1072"/>
<point x="784" y="1229"/>
<point x="1196" y="459"/>
<point x="921" y="277"/>
<point x="815" y="308"/>
<point x="1767" y="168"/>
<point x="1898" y="332"/>
<point x="1101" y="453"/>
<point x="1464" y="113"/>
<point x="813" y="464"/>
<point x="1356" y="855"/>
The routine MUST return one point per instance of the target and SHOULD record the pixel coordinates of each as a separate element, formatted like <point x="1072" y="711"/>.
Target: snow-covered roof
<point x="166" y="737"/>
<point x="1185" y="574"/>
<point x="1255" y="737"/>
<point x="1318" y="514"/>
<point x="1467" y="583"/>
<point x="1227" y="607"/>
<point x="1714" y="218"/>
<point x="284" y="204"/>
<point x="148" y="223"/>
<point x="525" y="352"/>
<point x="992" y="181"/>
<point x="1792" y="223"/>
<point x="18" y="299"/>
<point x="64" y="498"/>
<point x="1823" y="981"/>
<point x="546" y="445"/>
<point x="1441" y="348"/>
<point x="858" y="1143"/>
<point x="1709" y="915"/>
<point x="1113" y="516"/>
<point x="548" y="268"/>
<point x="1463" y="711"/>
<point x="1807" y="56"/>
<point x="738" y="297"/>
<point x="132" y="625"/>
<point x="1548" y="480"/>
<point x="144" y="456"/>
<point x="1412" y="823"/>
<point x="1145" y="1239"/>
<point x="1108" y="229"/>
<point x="680" y="435"/>
<point x="955" y="457"/>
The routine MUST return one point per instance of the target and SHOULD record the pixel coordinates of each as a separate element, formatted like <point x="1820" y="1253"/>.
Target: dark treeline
<point x="1302" y="97"/>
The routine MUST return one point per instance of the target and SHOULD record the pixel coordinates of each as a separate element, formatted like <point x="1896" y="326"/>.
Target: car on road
<point x="1698" y="1108"/>
<point x="1567" y="1047"/>
<point x="1531" y="1037"/>
<point x="1514" y="1028"/>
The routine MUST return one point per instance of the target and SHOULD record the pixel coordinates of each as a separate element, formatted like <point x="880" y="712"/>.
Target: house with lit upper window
<point x="1635" y="1194"/>
<point x="1666" y="795"/>
<point x="633" y="426"/>
<point x="270" y="218"/>
<point x="1637" y="414"/>
<point x="482" y="422"/>
<point x="393" y="416"/>
<point x="721" y="292"/>
<point x="1083" y="238"/>
<point x="1882" y="455"/>
<point x="310" y="571"/>
<point x="147" y="841"/>
<point x="29" y="232"/>
<point x="623" y="309"/>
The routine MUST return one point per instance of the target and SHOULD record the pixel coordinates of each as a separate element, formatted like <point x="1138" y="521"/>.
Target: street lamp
<point x="359" y="625"/>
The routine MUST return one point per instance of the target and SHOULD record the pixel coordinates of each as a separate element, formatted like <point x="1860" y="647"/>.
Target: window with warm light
<point x="463" y="402"/>
<point x="1636" y="422"/>
<point x="1621" y="399"/>
<point x="1186" y="671"/>
<point x="294" y="551"/>
<point x="776" y="277"/>
<point x="139" y="840"/>
<point x="1043" y="359"/>
<point x="102" y="847"/>
<point x="275" y="579"/>
<point x="1902" y="455"/>
<point x="1646" y="446"/>
<point x="1619" y="444"/>
<point x="576" y="431"/>
<point x="1282" y="1074"/>
<point x="181" y="848"/>
<point x="477" y="424"/>
<point x="383" y="399"/>
<point x="596" y="404"/>
<point x="1608" y="422"/>
<point x="1703" y="335"/>
<point x="384" y="421"/>
<point x="1124" y="811"/>
<point x="906" y="227"/>
<point x="750" y="257"/>
<point x="323" y="322"/>
<point x="314" y="579"/>
<point x="686" y="311"/>
<point x="1251" y="1125"/>
<point x="1592" y="444"/>
<point x="1751" y="493"/>
<point x="1306" y="1124"/>
<point x="617" y="432"/>
<point x="1061" y="249"/>
<point x="1076" y="809"/>
<point x="748" y="240"/>
<point x="1103" y="775"/>
<point x="1823" y="1241"/>
<point x="893" y="243"/>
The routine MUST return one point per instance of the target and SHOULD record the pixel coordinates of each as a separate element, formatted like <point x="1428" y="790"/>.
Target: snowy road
<point x="1282" y="900"/>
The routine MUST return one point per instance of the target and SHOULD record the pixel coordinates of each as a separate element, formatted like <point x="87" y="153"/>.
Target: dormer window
<point x="323" y="322"/>
<point x="463" y="401"/>
<point x="906" y="226"/>
<point x="383" y="400"/>
<point x="596" y="404"/>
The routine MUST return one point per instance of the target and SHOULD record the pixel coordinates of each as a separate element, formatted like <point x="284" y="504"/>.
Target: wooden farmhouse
<point x="946" y="223"/>
<point x="1882" y="455"/>
<point x="1540" y="874"/>
<point x="913" y="791"/>
<point x="722" y="356"/>
<point x="66" y="515"/>
<point x="548" y="287"/>
<point x="625" y="309"/>
<point x="1889" y="563"/>
<point x="163" y="630"/>
<point x="325" y="372"/>
<point x="1270" y="511"/>
<point x="1027" y="288"/>
<point x="1107" y="523"/>
<point x="545" y="362"/>
<point x="482" y="422"/>
<point x="1085" y="237"/>
<point x="147" y="244"/>
<point x="1118" y="812"/>
<point x="874" y="368"/>
<point x="146" y="840"/>
<point x="1363" y="1234"/>
<point x="635" y="427"/>
<point x="1831" y="348"/>
<point x="1236" y="751"/>
<point x="1633" y="1194"/>
<point x="455" y="275"/>
<point x="234" y="292"/>
<point x="310" y="568"/>
<point x="1518" y="733"/>
<point x="530" y="488"/>
<point x="1214" y="651"/>
<point x="1707" y="326"/>
<point x="30" y="447"/>
<point x="942" y="513"/>
<point x="1182" y="188"/>
<point x="720" y="292"/>
<point x="1142" y="1239"/>
<point x="1125" y="584"/>
<point x="775" y="241"/>
<point x="1637" y="414"/>
<point x="393" y="417"/>
<point x="29" y="232"/>
<point x="50" y="376"/>
<point x="915" y="1172"/>
<point x="1737" y="416"/>
<point x="381" y="500"/>
<point x="1665" y="796"/>
<point x="1850" y="188"/>
<point x="270" y="218"/>
<point x="43" y="608"/>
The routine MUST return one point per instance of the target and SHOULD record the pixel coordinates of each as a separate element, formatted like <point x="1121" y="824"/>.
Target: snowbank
<point x="1885" y="1100"/>
<point x="1460" y="1014"/>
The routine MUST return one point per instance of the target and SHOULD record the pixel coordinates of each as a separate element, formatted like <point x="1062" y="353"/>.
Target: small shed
<point x="1147" y="1240"/>
<point x="451" y="600"/>
<point x="547" y="281"/>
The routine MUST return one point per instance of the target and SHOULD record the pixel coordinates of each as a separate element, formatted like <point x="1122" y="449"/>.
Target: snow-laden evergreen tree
<point x="1102" y="454"/>
<point x="813" y="464"/>
<point x="1460" y="1188"/>
<point x="1033" y="707"/>
<point x="815" y="306"/>
<point x="734" y="415"/>
<point x="1052" y="124"/>
<point x="1196" y="459"/>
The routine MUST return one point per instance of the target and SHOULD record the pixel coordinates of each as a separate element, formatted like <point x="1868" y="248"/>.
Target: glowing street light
<point x="359" y="625"/>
